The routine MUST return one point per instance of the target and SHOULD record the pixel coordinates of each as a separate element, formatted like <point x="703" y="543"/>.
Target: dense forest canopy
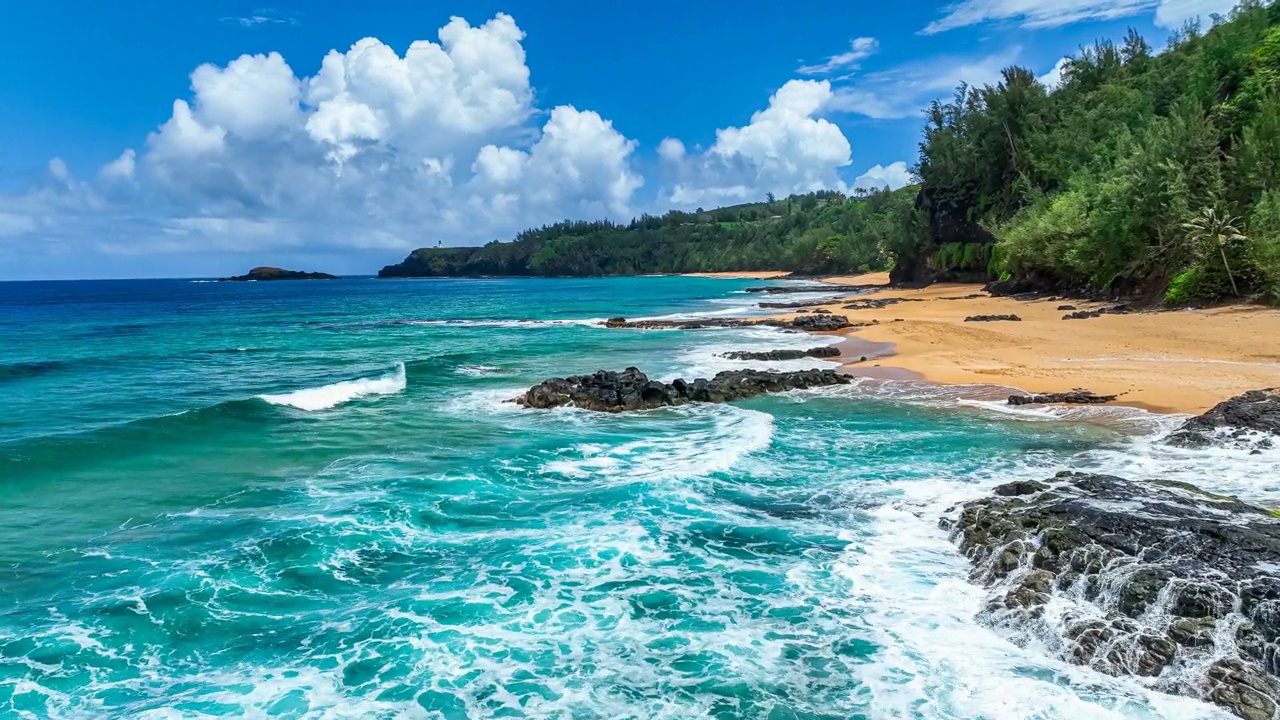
<point x="1144" y="172"/>
<point x="821" y="232"/>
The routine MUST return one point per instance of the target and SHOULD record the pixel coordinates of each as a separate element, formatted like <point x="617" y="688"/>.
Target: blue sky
<point x="195" y="139"/>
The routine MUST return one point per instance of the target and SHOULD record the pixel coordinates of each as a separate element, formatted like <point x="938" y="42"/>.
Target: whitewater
<point x="330" y="510"/>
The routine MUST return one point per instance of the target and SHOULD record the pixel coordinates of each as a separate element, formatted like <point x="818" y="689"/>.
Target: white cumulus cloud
<point x="377" y="151"/>
<point x="786" y="148"/>
<point x="1053" y="78"/>
<point x="893" y="176"/>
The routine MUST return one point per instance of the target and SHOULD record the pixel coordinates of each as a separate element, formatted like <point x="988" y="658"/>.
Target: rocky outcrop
<point x="1156" y="580"/>
<point x="1074" y="397"/>
<point x="607" y="391"/>
<point x="878" y="303"/>
<point x="812" y="323"/>
<point x="826" y="351"/>
<point x="949" y="222"/>
<point x="993" y="318"/>
<point x="1251" y="419"/>
<point x="1119" y="309"/>
<point x="275" y="273"/>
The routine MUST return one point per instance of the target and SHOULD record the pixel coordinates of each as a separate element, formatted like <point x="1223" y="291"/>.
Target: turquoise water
<point x="310" y="500"/>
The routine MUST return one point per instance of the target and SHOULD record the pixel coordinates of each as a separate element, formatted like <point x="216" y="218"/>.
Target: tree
<point x="770" y="198"/>
<point x="1210" y="230"/>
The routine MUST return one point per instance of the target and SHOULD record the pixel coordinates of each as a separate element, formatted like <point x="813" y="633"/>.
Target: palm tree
<point x="1209" y="230"/>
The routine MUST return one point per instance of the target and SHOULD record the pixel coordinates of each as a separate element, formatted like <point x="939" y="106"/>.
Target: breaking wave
<point x="329" y="396"/>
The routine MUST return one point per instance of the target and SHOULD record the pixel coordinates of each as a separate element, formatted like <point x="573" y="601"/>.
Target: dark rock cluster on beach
<point x="813" y="323"/>
<point x="1117" y="309"/>
<point x="877" y="303"/>
<point x="1074" y="397"/>
<point x="826" y="351"/>
<point x="275" y="273"/>
<point x="993" y="318"/>
<point x="1251" y="419"/>
<point x="1160" y="580"/>
<point x="608" y="391"/>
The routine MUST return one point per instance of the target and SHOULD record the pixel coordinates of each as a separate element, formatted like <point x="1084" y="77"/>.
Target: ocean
<point x="311" y="500"/>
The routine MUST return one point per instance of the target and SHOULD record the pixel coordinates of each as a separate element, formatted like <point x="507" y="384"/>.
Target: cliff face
<point x="435" y="262"/>
<point x="274" y="273"/>
<point x="959" y="250"/>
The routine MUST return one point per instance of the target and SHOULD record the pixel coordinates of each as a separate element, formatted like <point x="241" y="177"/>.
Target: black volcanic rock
<point x="1074" y="397"/>
<point x="1253" y="417"/>
<point x="826" y="351"/>
<point x="607" y="391"/>
<point x="878" y="303"/>
<point x="1157" y="579"/>
<point x="992" y="318"/>
<point x="1118" y="309"/>
<point x="275" y="273"/>
<point x="813" y="323"/>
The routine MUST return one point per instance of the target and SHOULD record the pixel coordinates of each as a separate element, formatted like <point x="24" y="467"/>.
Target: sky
<point x="199" y="139"/>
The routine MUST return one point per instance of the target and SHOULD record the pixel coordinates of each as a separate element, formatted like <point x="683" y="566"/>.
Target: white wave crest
<point x="706" y="448"/>
<point x="328" y="396"/>
<point x="921" y="608"/>
<point x="478" y="370"/>
<point x="705" y="359"/>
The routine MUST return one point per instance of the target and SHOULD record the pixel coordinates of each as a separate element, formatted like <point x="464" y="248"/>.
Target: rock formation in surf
<point x="1250" y="419"/>
<point x="826" y="351"/>
<point x="812" y="323"/>
<point x="1074" y="397"/>
<point x="1157" y="580"/>
<point x="607" y="391"/>
<point x="275" y="273"/>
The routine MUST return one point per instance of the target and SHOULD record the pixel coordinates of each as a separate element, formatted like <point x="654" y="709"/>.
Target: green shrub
<point x="1182" y="287"/>
<point x="1263" y="249"/>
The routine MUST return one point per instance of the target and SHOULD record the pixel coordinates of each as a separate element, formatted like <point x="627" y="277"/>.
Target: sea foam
<point x="328" y="396"/>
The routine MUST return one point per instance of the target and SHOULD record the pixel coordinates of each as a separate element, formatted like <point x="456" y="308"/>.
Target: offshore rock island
<point x="265" y="272"/>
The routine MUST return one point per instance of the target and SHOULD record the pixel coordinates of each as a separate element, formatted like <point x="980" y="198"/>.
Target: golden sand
<point x="1168" y="361"/>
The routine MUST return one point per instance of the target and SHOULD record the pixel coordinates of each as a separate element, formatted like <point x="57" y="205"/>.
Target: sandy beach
<point x="1167" y="361"/>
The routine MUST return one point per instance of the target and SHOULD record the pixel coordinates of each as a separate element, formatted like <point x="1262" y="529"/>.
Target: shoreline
<point x="1162" y="361"/>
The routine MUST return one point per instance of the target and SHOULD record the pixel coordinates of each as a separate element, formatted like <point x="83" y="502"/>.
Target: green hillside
<point x="822" y="232"/>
